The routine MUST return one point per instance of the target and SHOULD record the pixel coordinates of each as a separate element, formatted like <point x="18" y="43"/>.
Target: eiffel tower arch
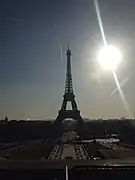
<point x="69" y="96"/>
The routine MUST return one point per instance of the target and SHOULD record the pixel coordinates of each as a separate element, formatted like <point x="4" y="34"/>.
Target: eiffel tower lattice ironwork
<point x="69" y="96"/>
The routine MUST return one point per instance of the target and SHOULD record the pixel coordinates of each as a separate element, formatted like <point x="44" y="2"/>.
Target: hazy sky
<point x="33" y="39"/>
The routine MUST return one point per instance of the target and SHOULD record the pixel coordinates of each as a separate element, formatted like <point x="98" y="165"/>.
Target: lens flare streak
<point x="100" y="21"/>
<point x="122" y="95"/>
<point x="121" y="85"/>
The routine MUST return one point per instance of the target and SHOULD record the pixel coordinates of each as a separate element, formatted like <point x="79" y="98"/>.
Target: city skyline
<point x="34" y="40"/>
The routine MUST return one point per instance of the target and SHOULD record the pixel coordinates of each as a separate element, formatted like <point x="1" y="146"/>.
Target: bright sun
<point x="109" y="57"/>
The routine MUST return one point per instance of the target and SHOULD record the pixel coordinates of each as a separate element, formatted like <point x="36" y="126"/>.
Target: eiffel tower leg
<point x="74" y="105"/>
<point x="64" y="105"/>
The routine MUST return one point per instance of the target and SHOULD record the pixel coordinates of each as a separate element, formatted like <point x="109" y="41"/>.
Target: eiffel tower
<point x="69" y="97"/>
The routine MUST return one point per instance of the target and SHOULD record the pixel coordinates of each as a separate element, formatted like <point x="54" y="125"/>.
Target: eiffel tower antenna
<point x="68" y="45"/>
<point x="69" y="96"/>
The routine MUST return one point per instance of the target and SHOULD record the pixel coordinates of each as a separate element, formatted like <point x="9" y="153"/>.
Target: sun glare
<point x="109" y="58"/>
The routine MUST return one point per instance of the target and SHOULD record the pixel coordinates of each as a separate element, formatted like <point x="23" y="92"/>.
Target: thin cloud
<point x="15" y="19"/>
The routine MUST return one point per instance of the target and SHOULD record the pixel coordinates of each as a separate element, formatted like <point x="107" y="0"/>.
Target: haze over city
<point x="34" y="39"/>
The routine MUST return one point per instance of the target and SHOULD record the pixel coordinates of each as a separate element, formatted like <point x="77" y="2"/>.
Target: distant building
<point x="6" y="120"/>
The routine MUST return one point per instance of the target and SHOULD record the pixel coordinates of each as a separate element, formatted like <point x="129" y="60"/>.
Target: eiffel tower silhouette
<point x="69" y="97"/>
